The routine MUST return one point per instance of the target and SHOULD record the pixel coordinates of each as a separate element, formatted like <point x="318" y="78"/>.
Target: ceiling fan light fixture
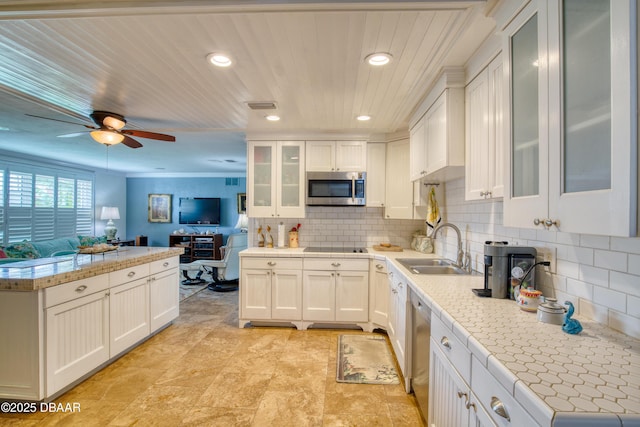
<point x="114" y="122"/>
<point x="107" y="137"/>
<point x="378" y="59"/>
<point x="219" y="59"/>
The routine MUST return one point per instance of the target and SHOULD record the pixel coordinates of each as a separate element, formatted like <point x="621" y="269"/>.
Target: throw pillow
<point x="22" y="249"/>
<point x="91" y="240"/>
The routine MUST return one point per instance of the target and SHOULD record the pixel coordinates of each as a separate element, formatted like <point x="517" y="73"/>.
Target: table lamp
<point x="243" y="223"/>
<point x="110" y="213"/>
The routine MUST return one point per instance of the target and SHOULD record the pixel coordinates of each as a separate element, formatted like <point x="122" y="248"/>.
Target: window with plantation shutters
<point x="44" y="203"/>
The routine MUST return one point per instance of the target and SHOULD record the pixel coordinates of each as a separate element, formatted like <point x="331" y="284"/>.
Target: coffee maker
<point x="500" y="258"/>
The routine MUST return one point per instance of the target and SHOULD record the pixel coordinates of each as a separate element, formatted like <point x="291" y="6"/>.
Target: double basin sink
<point x="430" y="266"/>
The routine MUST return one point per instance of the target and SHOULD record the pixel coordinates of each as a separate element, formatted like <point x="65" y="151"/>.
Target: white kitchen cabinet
<point x="328" y="156"/>
<point x="571" y="129"/>
<point x="398" y="318"/>
<point x="399" y="189"/>
<point x="378" y="293"/>
<point x="438" y="149"/>
<point x="270" y="289"/>
<point x="129" y="315"/>
<point x="76" y="330"/>
<point x="376" y="174"/>
<point x="484" y="136"/>
<point x="418" y="151"/>
<point x="404" y="199"/>
<point x="275" y="179"/>
<point x="336" y="290"/>
<point x="164" y="292"/>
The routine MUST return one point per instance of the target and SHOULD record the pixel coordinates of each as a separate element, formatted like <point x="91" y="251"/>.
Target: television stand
<point x="197" y="246"/>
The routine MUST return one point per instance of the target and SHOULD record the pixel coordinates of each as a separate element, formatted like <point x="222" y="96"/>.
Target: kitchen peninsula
<point x="64" y="318"/>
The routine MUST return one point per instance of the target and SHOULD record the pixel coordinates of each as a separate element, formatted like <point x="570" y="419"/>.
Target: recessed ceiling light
<point x="363" y="118"/>
<point x="379" y="58"/>
<point x="272" y="118"/>
<point x="219" y="59"/>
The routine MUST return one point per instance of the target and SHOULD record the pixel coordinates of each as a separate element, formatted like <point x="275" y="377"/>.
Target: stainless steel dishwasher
<point x="420" y="337"/>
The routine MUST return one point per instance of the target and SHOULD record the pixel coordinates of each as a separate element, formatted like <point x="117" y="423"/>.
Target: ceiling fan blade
<point x="130" y="142"/>
<point x="62" y="121"/>
<point x="149" y="135"/>
<point x="72" y="135"/>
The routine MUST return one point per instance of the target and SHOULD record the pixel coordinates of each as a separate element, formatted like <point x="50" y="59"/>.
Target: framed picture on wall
<point x="159" y="207"/>
<point x="242" y="202"/>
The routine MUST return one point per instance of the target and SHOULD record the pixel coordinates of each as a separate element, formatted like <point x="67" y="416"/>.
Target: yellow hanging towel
<point x="433" y="212"/>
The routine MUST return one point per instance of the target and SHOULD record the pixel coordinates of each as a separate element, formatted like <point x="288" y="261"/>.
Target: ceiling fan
<point x="110" y="130"/>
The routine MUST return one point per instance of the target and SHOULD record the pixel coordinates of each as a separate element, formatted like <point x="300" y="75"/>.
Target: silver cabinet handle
<point x="379" y="266"/>
<point x="271" y="263"/>
<point x="335" y="264"/>
<point x="499" y="408"/>
<point x="165" y="264"/>
<point x="549" y="222"/>
<point x="445" y="342"/>
<point x="81" y="288"/>
<point x="471" y="405"/>
<point x="131" y="273"/>
<point x="462" y="394"/>
<point x="536" y="221"/>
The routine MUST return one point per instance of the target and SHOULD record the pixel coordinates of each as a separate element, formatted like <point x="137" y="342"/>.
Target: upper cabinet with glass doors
<point x="275" y="179"/>
<point x="572" y="124"/>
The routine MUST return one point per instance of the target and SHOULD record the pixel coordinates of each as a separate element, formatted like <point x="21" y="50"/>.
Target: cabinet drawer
<point x="492" y="394"/>
<point x="268" y="263"/>
<point x="128" y="274"/>
<point x="163" y="264"/>
<point x="336" y="264"/>
<point x="457" y="353"/>
<point x="69" y="291"/>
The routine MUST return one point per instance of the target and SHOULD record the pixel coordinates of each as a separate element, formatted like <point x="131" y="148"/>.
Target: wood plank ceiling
<point x="148" y="63"/>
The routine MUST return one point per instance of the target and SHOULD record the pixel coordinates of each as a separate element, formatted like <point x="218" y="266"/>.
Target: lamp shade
<point x="110" y="212"/>
<point x="107" y="137"/>
<point x="243" y="222"/>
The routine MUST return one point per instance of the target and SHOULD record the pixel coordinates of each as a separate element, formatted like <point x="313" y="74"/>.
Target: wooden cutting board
<point x="392" y="248"/>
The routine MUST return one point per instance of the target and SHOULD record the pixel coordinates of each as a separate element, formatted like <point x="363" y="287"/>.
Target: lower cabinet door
<point x="129" y="308"/>
<point x="352" y="296"/>
<point x="164" y="298"/>
<point x="448" y="393"/>
<point x="255" y="294"/>
<point x="319" y="296"/>
<point x="286" y="294"/>
<point x="77" y="336"/>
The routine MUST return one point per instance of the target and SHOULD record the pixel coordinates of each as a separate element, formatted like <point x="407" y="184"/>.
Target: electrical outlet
<point x="549" y="254"/>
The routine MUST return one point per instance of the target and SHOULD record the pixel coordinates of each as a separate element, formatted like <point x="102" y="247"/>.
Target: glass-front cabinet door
<point x="261" y="179"/>
<point x="593" y="99"/>
<point x="291" y="179"/>
<point x="573" y="117"/>
<point x="275" y="179"/>
<point x="526" y="74"/>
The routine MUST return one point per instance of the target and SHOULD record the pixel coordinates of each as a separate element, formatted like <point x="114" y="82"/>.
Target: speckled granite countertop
<point x="44" y="272"/>
<point x="557" y="377"/>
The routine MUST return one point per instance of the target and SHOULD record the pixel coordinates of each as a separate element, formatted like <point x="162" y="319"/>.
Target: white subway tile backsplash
<point x="630" y="245"/>
<point x="594" y="275"/>
<point x="591" y="241"/>
<point x="627" y="324"/>
<point x="610" y="260"/>
<point x="594" y="311"/>
<point x="580" y="255"/>
<point x="580" y="289"/>
<point x="627" y="283"/>
<point x="634" y="264"/>
<point x="568" y="269"/>
<point x="609" y="298"/>
<point x="633" y="306"/>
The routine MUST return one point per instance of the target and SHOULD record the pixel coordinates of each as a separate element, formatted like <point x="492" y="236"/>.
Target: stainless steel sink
<point x="430" y="266"/>
<point x="423" y="262"/>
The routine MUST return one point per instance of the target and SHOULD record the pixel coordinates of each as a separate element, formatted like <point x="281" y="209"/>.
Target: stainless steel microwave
<point x="336" y="188"/>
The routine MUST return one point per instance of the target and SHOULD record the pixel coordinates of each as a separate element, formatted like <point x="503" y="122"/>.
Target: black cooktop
<point x="344" y="250"/>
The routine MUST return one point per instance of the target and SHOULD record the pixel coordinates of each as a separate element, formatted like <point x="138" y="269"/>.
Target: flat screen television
<point x="200" y="210"/>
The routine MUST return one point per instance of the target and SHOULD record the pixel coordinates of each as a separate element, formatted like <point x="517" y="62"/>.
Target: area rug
<point x="189" y="290"/>
<point x="365" y="359"/>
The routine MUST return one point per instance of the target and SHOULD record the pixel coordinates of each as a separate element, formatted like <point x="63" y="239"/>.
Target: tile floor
<point x="205" y="371"/>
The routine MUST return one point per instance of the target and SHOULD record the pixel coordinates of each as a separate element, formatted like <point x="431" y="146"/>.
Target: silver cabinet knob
<point x="498" y="407"/>
<point x="445" y="342"/>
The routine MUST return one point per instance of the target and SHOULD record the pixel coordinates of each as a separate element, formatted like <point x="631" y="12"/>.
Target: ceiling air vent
<point x="267" y="105"/>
